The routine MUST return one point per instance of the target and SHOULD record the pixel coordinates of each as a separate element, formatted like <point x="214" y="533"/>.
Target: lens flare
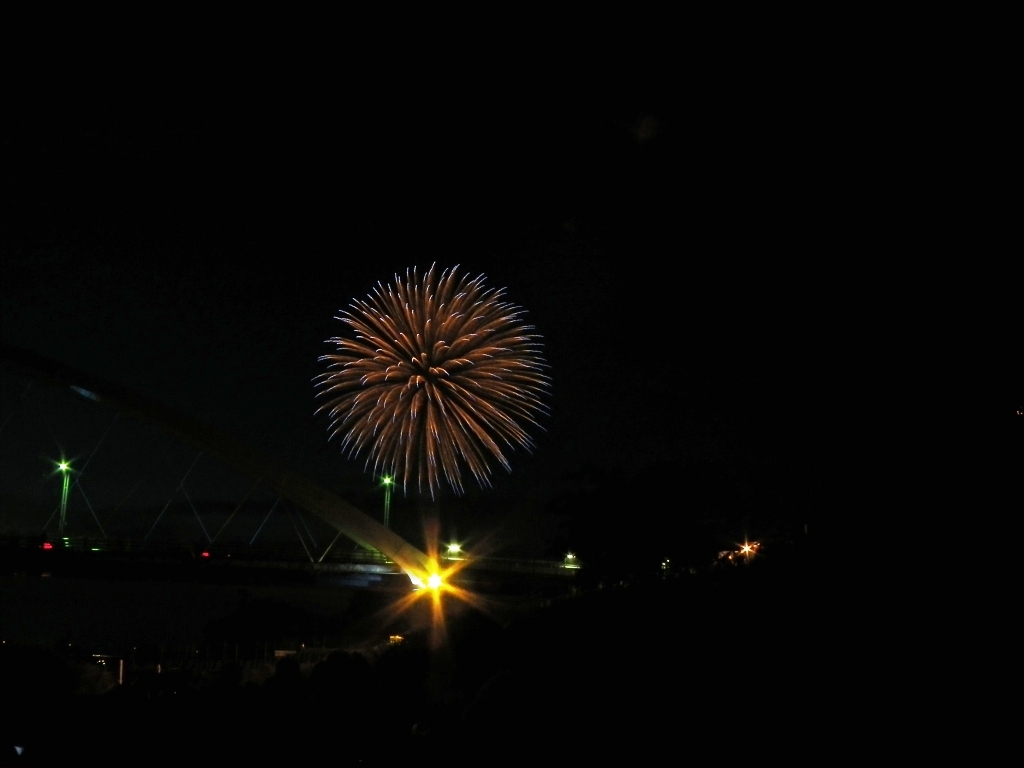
<point x="439" y="375"/>
<point x="436" y="594"/>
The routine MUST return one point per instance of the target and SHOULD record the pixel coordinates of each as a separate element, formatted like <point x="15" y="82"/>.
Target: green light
<point x="387" y="481"/>
<point x="64" y="467"/>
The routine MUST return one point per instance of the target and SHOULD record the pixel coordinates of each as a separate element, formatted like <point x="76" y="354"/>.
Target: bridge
<point x="269" y="495"/>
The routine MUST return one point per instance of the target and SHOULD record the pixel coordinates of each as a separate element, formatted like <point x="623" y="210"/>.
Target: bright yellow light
<point x="432" y="587"/>
<point x="432" y="579"/>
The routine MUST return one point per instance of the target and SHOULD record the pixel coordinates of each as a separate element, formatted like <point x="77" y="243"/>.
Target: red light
<point x="205" y="554"/>
<point x="47" y="545"/>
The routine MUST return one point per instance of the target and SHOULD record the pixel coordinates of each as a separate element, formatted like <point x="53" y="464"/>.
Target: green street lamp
<point x="65" y="470"/>
<point x="388" y="482"/>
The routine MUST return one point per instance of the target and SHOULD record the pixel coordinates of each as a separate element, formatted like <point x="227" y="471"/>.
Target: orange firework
<point x="437" y="375"/>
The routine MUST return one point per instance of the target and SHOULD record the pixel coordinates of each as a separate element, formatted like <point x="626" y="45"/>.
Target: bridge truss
<point x="85" y="461"/>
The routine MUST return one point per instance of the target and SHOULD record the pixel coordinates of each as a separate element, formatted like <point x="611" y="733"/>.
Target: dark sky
<point x="676" y="250"/>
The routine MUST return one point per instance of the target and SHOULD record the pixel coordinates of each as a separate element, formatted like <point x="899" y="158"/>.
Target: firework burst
<point x="438" y="375"/>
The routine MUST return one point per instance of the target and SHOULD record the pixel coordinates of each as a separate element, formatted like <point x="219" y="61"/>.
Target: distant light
<point x="86" y="393"/>
<point x="570" y="556"/>
<point x="205" y="554"/>
<point x="63" y="466"/>
<point x="47" y="545"/>
<point x="454" y="549"/>
<point x="387" y="480"/>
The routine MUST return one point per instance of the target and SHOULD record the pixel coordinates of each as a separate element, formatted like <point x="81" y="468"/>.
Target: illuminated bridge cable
<point x="127" y="496"/>
<point x="184" y="492"/>
<point x="146" y="537"/>
<point x="49" y="520"/>
<point x="196" y="512"/>
<point x="305" y="525"/>
<point x="81" y="490"/>
<point x="80" y="472"/>
<point x="168" y="504"/>
<point x="185" y="476"/>
<point x="237" y="509"/>
<point x="336" y="537"/>
<point x="298" y="533"/>
<point x="265" y="521"/>
<point x="111" y="426"/>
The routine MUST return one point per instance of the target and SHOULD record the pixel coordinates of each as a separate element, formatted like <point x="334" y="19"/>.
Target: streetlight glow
<point x="65" y="469"/>
<point x="388" y="482"/>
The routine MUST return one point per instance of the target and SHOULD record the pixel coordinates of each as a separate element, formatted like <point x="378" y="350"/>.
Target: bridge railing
<point x="186" y="550"/>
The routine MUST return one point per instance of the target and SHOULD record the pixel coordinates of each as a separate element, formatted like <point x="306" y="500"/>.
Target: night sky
<point x="676" y="251"/>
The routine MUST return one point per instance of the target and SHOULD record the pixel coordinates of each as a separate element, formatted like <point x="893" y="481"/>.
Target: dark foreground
<point x="735" y="663"/>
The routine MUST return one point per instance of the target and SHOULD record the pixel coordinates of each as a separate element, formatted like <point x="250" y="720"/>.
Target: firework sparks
<point x="439" y="375"/>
